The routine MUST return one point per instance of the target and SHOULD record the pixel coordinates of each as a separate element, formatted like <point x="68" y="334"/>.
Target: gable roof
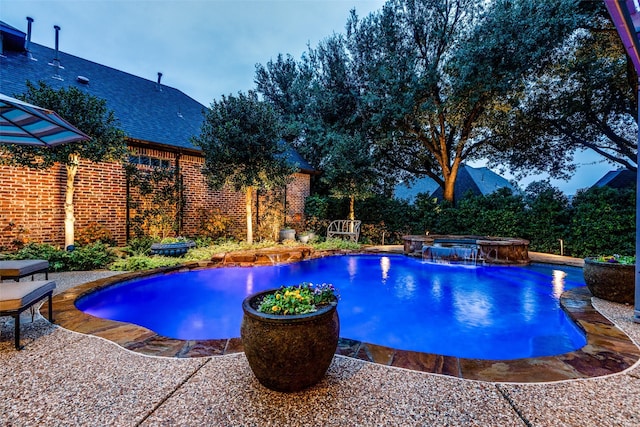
<point x="480" y="181"/>
<point x="621" y="178"/>
<point x="146" y="110"/>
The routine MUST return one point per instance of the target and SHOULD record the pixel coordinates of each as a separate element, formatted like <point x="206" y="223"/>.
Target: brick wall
<point x="297" y="191"/>
<point x="198" y="197"/>
<point x="32" y="201"/>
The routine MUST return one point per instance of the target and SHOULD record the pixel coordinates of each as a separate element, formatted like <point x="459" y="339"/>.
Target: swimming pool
<point x="488" y="312"/>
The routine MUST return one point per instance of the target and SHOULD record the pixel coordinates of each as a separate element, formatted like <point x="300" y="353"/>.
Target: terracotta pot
<point x="611" y="281"/>
<point x="289" y="352"/>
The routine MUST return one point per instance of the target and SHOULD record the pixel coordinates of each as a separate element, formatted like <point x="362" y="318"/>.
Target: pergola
<point x="626" y="17"/>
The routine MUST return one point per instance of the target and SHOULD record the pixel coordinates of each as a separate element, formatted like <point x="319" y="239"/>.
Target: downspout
<point x="284" y="205"/>
<point x="258" y="208"/>
<point x="127" y="221"/>
<point x="180" y="210"/>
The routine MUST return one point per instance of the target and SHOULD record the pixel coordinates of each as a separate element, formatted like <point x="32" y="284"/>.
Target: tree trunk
<point x="69" y="218"/>
<point x="449" y="176"/>
<point x="249" y="203"/>
<point x="449" y="189"/>
<point x="352" y="213"/>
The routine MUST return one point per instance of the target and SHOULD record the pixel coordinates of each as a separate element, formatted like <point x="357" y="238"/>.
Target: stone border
<point x="608" y="349"/>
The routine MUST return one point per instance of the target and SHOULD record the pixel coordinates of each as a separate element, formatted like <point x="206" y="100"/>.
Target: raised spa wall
<point x="492" y="250"/>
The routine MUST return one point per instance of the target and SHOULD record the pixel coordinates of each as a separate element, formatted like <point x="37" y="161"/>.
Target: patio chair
<point x="16" y="269"/>
<point x="16" y="297"/>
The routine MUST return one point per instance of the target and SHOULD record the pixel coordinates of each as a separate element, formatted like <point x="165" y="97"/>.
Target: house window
<point x="149" y="161"/>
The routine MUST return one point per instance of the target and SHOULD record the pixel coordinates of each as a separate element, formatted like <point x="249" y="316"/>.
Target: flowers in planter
<point x="298" y="299"/>
<point x="617" y="259"/>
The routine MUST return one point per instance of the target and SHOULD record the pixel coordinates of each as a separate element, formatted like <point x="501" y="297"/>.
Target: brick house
<point x="159" y="121"/>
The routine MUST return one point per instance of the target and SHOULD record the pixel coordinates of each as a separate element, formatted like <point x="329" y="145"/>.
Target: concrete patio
<point x="66" y="378"/>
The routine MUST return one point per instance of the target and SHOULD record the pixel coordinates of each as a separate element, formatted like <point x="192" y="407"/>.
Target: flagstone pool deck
<point x="68" y="378"/>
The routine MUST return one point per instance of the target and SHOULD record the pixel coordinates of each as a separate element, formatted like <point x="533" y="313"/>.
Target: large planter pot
<point x="289" y="352"/>
<point x="287" y="234"/>
<point x="172" y="249"/>
<point x="611" y="281"/>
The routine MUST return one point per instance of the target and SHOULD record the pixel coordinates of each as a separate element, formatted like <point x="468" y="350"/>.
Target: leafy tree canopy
<point x="241" y="141"/>
<point x="87" y="112"/>
<point x="434" y="73"/>
<point x="585" y="100"/>
<point x="422" y="84"/>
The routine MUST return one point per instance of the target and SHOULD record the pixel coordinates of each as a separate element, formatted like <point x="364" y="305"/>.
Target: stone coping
<point x="608" y="349"/>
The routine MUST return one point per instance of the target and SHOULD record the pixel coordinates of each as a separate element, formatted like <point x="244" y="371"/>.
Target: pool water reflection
<point x="488" y="312"/>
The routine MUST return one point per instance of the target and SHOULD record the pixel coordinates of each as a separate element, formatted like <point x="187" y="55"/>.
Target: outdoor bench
<point x="344" y="228"/>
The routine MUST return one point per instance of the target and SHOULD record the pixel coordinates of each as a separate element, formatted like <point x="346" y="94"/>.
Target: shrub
<point x="316" y="206"/>
<point x="603" y="222"/>
<point x="90" y="257"/>
<point x="213" y="224"/>
<point x="57" y="258"/>
<point x="92" y="233"/>
<point x="139" y="245"/>
<point x="140" y="262"/>
<point x="546" y="217"/>
<point x="330" y="244"/>
<point x="374" y="233"/>
<point x="317" y="225"/>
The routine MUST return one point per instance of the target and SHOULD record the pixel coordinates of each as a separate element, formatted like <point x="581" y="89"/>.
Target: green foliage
<point x="141" y="262"/>
<point x="617" y="259"/>
<point x="546" y="217"/>
<point x="381" y="214"/>
<point x="240" y="139"/>
<point x="56" y="257"/>
<point x="317" y="225"/>
<point x="599" y="220"/>
<point x="139" y="245"/>
<point x="316" y="206"/>
<point x="586" y="99"/>
<point x="335" y="244"/>
<point x="89" y="257"/>
<point x="87" y="113"/>
<point x="603" y="222"/>
<point x="498" y="214"/>
<point x="156" y="201"/>
<point x="286" y="85"/>
<point x="213" y="224"/>
<point x="94" y="232"/>
<point x="299" y="299"/>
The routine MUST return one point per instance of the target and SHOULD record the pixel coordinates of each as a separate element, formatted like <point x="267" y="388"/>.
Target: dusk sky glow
<point x="205" y="48"/>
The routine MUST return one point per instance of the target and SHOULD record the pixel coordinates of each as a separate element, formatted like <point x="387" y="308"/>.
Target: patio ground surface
<point x="67" y="378"/>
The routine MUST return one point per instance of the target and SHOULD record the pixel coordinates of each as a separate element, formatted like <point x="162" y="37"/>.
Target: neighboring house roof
<point x="480" y="181"/>
<point x="406" y="191"/>
<point x="621" y="178"/>
<point x="147" y="110"/>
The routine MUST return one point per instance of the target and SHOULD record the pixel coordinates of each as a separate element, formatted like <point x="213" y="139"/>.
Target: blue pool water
<point x="486" y="312"/>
